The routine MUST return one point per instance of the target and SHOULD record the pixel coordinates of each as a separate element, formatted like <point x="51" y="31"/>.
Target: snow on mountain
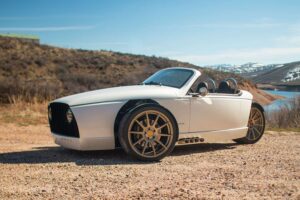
<point x="249" y="67"/>
<point x="292" y="75"/>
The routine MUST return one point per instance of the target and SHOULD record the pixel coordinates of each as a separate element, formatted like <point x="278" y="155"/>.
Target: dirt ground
<point x="33" y="167"/>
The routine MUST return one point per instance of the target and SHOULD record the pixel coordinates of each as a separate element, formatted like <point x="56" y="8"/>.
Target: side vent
<point x="192" y="140"/>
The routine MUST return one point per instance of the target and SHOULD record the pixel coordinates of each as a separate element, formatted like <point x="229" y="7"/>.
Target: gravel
<point x="33" y="167"/>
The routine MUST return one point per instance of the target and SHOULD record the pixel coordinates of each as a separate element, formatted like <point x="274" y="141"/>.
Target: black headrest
<point x="202" y="84"/>
<point x="223" y="84"/>
<point x="224" y="87"/>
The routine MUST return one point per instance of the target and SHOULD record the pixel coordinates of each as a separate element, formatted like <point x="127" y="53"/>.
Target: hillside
<point x="33" y="71"/>
<point x="268" y="74"/>
<point x="288" y="73"/>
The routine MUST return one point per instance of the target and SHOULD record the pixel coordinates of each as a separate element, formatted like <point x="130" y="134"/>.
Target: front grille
<point x="59" y="124"/>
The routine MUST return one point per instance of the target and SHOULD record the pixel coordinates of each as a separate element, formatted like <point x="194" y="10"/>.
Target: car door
<point x="214" y="112"/>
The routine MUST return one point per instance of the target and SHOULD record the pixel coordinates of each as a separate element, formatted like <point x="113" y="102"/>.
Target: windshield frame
<point x="179" y="69"/>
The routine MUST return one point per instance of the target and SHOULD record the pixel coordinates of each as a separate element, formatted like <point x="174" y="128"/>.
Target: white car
<point x="173" y="106"/>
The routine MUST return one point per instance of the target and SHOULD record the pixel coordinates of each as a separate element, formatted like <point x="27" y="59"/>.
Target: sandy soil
<point x="32" y="167"/>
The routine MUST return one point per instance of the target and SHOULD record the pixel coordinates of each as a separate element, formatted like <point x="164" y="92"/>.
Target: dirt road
<point x="33" y="167"/>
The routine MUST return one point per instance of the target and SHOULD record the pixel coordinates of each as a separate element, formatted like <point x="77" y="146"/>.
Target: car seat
<point x="224" y="87"/>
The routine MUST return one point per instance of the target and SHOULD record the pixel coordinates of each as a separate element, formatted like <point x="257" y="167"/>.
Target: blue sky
<point x="200" y="32"/>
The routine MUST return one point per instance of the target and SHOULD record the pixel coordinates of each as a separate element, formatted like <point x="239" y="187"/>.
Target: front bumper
<point x="92" y="127"/>
<point x="84" y="144"/>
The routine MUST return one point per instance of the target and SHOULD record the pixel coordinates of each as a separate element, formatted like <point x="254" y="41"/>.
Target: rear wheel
<point x="148" y="133"/>
<point x="256" y="126"/>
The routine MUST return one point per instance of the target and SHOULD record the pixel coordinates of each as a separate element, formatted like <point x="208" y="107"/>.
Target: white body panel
<point x="215" y="117"/>
<point x="124" y="93"/>
<point x="225" y="110"/>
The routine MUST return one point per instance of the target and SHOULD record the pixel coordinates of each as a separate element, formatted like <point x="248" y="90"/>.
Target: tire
<point x="148" y="132"/>
<point x="256" y="126"/>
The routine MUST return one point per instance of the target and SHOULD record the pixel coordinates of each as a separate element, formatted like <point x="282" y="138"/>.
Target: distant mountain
<point x="259" y="73"/>
<point x="247" y="70"/>
<point x="286" y="74"/>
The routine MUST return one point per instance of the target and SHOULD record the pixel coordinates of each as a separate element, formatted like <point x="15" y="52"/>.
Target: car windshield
<point x="170" y="77"/>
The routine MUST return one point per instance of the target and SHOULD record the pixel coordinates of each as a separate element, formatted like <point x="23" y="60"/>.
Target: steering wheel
<point x="214" y="87"/>
<point x="234" y="83"/>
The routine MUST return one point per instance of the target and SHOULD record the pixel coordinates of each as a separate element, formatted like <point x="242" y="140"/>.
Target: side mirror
<point x="203" y="91"/>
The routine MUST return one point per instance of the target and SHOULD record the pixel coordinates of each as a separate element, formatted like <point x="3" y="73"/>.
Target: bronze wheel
<point x="256" y="126"/>
<point x="149" y="133"/>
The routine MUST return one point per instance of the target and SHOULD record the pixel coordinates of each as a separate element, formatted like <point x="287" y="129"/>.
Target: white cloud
<point x="291" y="40"/>
<point x="47" y="29"/>
<point x="264" y="55"/>
<point x="239" y="25"/>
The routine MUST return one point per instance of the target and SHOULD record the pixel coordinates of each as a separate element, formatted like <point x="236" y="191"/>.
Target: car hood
<point x="120" y="94"/>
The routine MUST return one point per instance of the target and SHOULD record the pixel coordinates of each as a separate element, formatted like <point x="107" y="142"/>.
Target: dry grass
<point x="24" y="113"/>
<point x="287" y="117"/>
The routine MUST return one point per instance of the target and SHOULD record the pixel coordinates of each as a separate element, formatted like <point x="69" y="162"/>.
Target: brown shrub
<point x="40" y="62"/>
<point x="288" y="115"/>
<point x="28" y="91"/>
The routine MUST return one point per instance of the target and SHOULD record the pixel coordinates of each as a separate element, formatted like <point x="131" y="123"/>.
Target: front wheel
<point x="148" y="133"/>
<point x="256" y="126"/>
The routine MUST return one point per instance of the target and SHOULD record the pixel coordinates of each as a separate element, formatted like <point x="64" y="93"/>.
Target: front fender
<point x="97" y="120"/>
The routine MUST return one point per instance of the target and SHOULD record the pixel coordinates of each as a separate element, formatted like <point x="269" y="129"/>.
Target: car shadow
<point x="40" y="155"/>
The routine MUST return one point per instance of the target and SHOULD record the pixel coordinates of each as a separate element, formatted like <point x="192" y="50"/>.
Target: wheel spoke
<point x="137" y="142"/>
<point x="165" y="135"/>
<point x="139" y="123"/>
<point x="258" y="121"/>
<point x="148" y="121"/>
<point x="253" y="134"/>
<point x="257" y="118"/>
<point x="153" y="148"/>
<point x="250" y="134"/>
<point x="161" y="144"/>
<point x="145" y="147"/>
<point x="256" y="131"/>
<point x="159" y="128"/>
<point x="254" y="115"/>
<point x="259" y="128"/>
<point x="155" y="121"/>
<point x="137" y="132"/>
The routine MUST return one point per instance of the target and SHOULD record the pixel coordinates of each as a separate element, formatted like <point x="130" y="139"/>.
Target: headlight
<point x="49" y="114"/>
<point x="69" y="116"/>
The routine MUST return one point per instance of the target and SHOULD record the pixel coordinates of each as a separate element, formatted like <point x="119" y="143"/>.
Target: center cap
<point x="149" y="134"/>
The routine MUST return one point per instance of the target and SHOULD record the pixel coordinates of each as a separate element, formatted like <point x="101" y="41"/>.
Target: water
<point x="275" y="105"/>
